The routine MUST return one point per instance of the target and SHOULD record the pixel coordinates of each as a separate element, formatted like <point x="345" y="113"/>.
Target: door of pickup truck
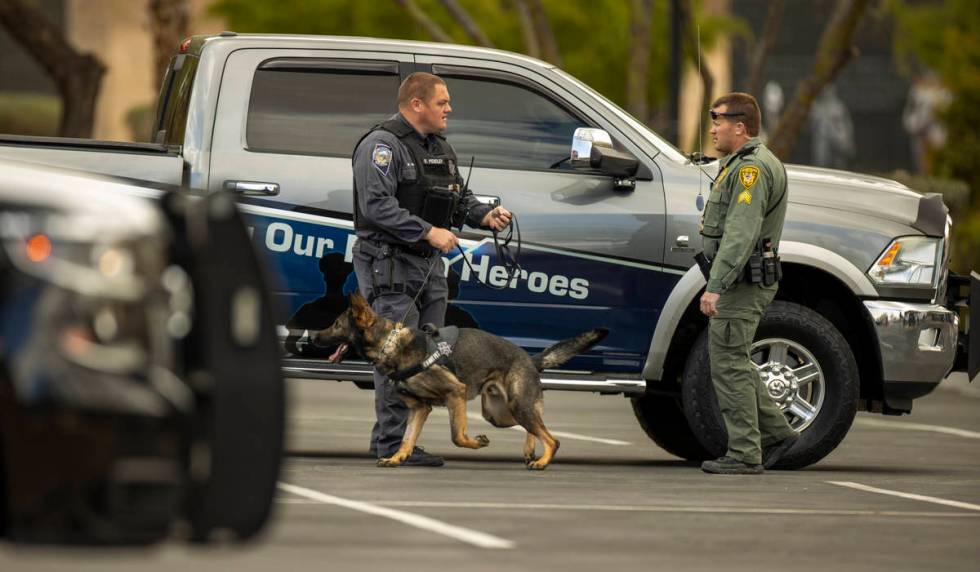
<point x="591" y="252"/>
<point x="286" y="146"/>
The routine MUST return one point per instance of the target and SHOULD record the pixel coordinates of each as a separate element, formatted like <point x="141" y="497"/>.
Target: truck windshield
<point x="175" y="95"/>
<point x="663" y="145"/>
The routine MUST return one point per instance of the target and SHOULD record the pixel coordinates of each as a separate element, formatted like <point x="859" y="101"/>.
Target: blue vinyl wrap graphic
<point x="560" y="294"/>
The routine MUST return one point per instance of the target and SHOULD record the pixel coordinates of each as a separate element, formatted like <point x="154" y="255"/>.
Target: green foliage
<point x="594" y="39"/>
<point x="29" y="114"/>
<point x="945" y="36"/>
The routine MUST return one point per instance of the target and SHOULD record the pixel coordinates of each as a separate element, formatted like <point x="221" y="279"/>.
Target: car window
<point x="316" y="112"/>
<point x="507" y="126"/>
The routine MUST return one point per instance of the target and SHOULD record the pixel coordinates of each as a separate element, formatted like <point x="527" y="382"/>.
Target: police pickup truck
<point x="866" y="316"/>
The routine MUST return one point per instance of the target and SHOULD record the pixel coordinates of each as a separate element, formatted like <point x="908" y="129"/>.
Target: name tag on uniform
<point x="431" y="161"/>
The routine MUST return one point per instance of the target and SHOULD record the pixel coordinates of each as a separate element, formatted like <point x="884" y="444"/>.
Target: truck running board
<point x="360" y="373"/>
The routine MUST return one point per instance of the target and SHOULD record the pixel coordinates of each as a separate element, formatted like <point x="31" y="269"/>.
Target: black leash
<point x="509" y="258"/>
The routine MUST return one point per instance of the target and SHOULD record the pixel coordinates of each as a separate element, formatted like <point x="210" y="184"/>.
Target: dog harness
<point x="439" y="344"/>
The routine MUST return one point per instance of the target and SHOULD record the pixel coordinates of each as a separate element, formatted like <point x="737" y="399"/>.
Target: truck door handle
<point x="682" y="241"/>
<point x="252" y="188"/>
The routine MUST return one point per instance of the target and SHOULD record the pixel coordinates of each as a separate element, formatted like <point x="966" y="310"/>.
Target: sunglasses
<point x="715" y="114"/>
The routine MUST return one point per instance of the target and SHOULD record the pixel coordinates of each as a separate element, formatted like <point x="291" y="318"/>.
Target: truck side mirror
<point x="593" y="149"/>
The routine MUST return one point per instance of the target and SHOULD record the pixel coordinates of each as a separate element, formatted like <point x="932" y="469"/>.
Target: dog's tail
<point x="554" y="356"/>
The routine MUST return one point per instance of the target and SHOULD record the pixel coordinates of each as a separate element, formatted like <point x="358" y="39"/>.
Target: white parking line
<point x="901" y="425"/>
<point x="924" y="498"/>
<point x="663" y="509"/>
<point x="561" y="434"/>
<point x="466" y="535"/>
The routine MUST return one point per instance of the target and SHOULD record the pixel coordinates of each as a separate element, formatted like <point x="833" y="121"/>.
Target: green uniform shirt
<point x="747" y="202"/>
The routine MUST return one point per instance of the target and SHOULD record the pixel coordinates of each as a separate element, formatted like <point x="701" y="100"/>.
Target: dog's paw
<point x="536" y="466"/>
<point x="482" y="441"/>
<point x="388" y="462"/>
<point x="530" y="459"/>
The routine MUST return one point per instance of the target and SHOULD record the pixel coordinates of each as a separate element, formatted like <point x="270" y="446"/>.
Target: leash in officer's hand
<point x="510" y="259"/>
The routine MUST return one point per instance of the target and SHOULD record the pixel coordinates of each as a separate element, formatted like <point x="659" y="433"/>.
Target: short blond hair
<point x="418" y="85"/>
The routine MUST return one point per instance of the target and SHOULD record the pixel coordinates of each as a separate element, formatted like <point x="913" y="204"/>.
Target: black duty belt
<point x="379" y="249"/>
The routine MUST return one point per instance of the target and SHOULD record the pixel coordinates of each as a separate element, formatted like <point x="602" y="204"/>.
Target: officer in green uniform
<point x="741" y="226"/>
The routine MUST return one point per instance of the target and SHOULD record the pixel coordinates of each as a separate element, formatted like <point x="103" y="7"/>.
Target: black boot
<point x="730" y="466"/>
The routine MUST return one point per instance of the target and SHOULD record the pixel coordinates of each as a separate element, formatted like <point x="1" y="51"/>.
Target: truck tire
<point x="809" y="370"/>
<point x="662" y="418"/>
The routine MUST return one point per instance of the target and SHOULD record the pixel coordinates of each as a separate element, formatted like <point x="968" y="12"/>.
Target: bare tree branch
<point x="422" y="19"/>
<point x="78" y="76"/>
<point x="833" y="53"/>
<point x="169" y="25"/>
<point x="692" y="46"/>
<point x="532" y="46"/>
<point x="637" y="78"/>
<point x="464" y="19"/>
<point x="764" y="46"/>
<point x="549" y="47"/>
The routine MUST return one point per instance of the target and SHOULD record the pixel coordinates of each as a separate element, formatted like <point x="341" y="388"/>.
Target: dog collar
<point x="391" y="336"/>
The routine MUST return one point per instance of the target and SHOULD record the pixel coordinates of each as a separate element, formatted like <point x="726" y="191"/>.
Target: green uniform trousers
<point x="751" y="417"/>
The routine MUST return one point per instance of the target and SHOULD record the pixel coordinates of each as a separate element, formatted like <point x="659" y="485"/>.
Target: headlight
<point x="60" y="249"/>
<point x="909" y="260"/>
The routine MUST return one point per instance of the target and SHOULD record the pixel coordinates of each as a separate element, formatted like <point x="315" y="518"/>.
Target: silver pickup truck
<point x="866" y="317"/>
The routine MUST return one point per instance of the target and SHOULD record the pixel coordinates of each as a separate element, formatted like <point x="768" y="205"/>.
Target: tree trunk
<point x="764" y="46"/>
<point x="463" y="18"/>
<point x="77" y="76"/>
<point x="692" y="45"/>
<point x="169" y="25"/>
<point x="637" y="79"/>
<point x="422" y="19"/>
<point x="542" y="28"/>
<point x="531" y="45"/>
<point x="833" y="53"/>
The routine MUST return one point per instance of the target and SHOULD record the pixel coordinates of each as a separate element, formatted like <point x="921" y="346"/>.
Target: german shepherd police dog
<point x="504" y="375"/>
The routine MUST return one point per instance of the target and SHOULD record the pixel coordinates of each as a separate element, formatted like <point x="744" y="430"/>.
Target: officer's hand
<point x="708" y="301"/>
<point x="497" y="219"/>
<point x="441" y="239"/>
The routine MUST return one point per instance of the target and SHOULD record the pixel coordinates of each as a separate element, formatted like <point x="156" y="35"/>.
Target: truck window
<point x="175" y="96"/>
<point x="507" y="126"/>
<point x="316" y="112"/>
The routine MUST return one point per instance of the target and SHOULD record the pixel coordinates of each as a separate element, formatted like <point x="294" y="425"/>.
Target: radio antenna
<point x="699" y="202"/>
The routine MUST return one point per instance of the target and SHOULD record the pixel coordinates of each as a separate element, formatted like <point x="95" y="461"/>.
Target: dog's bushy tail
<point x="554" y="356"/>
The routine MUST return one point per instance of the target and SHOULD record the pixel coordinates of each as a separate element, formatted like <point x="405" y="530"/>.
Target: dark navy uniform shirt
<point x="380" y="162"/>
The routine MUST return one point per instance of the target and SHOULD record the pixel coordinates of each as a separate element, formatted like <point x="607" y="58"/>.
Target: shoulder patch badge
<point x="745" y="197"/>
<point x="381" y="157"/>
<point x="748" y="176"/>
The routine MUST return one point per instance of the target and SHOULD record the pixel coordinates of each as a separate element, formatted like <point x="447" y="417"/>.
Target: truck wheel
<point x="663" y="420"/>
<point x="809" y="371"/>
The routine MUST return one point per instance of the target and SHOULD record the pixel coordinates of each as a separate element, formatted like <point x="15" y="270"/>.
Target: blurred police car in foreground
<point x="140" y="386"/>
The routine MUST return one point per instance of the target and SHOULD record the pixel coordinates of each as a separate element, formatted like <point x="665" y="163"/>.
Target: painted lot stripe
<point x="662" y="509"/>
<point x="466" y="535"/>
<point x="561" y="434"/>
<point x="924" y="498"/>
<point x="916" y="427"/>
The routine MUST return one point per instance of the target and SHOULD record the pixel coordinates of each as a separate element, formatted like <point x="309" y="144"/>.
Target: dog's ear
<point x="364" y="316"/>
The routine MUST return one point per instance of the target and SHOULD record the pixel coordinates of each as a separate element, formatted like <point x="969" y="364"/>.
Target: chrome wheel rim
<point x="792" y="377"/>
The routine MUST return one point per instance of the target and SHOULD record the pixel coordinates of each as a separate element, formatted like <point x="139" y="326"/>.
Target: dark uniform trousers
<point x="374" y="275"/>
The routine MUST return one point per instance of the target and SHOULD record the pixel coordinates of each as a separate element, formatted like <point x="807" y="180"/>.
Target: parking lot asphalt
<point x="898" y="494"/>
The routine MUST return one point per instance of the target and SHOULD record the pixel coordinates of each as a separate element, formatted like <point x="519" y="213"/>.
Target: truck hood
<point x="853" y="192"/>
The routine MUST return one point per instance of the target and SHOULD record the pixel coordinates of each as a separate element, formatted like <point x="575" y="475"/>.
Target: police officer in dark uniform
<point x="407" y="196"/>
<point x="741" y="228"/>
